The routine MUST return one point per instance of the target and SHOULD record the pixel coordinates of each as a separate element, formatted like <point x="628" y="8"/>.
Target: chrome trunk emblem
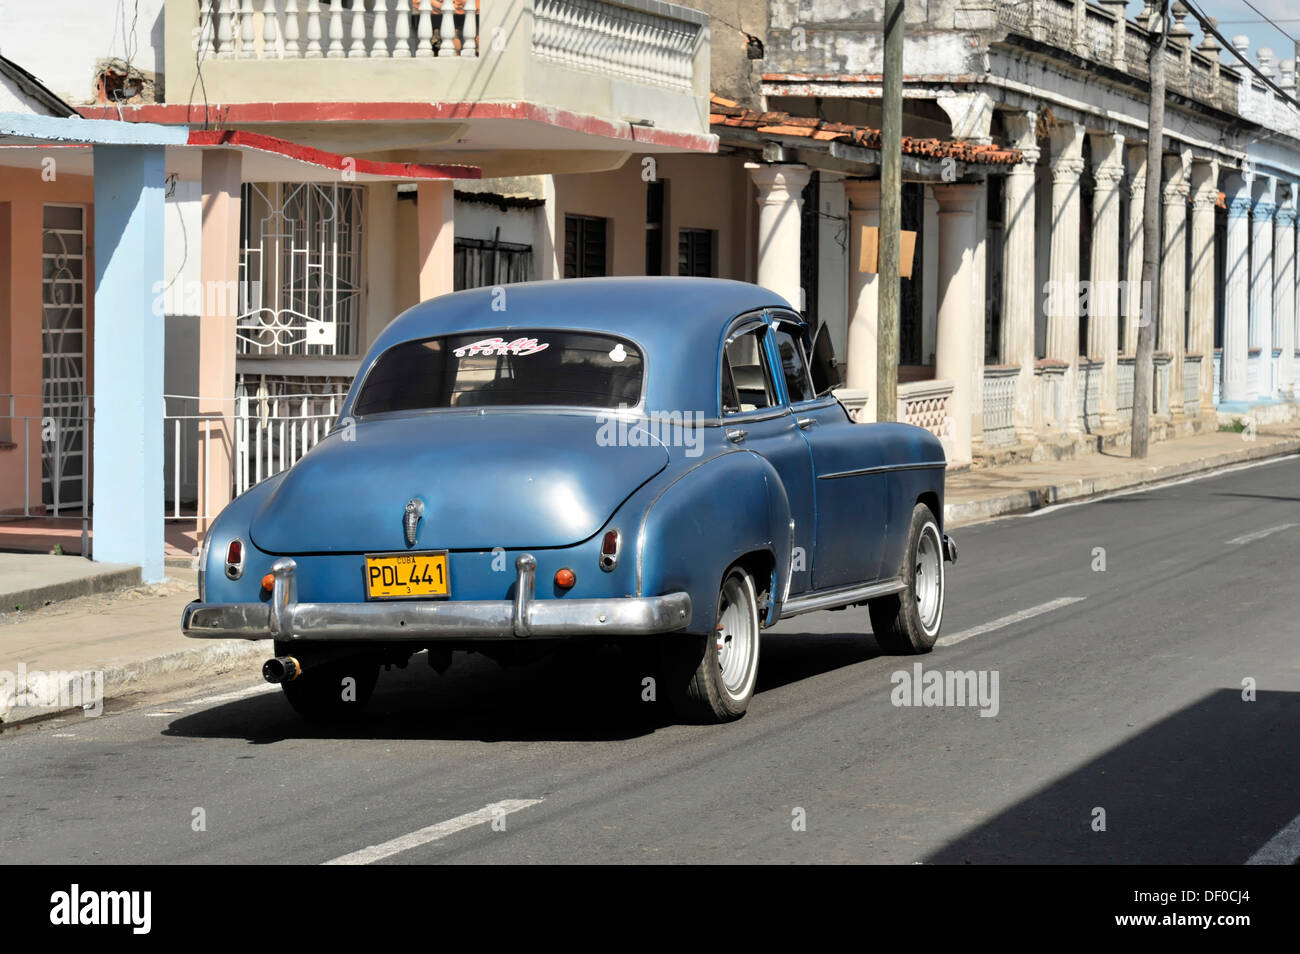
<point x="414" y="511"/>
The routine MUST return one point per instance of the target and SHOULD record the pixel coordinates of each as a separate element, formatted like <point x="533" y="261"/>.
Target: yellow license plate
<point x="395" y="576"/>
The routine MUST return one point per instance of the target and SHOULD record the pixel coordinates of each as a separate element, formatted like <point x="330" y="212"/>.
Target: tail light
<point x="609" y="548"/>
<point x="235" y="559"/>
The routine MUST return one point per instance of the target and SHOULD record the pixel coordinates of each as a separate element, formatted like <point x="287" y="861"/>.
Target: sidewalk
<point x="129" y="640"/>
<point x="133" y="635"/>
<point x="976" y="495"/>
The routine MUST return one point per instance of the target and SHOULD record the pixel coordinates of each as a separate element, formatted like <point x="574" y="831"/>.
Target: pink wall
<point x="23" y="194"/>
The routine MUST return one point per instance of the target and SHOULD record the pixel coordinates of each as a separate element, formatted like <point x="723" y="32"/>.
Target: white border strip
<point x="1282" y="849"/>
<point x="1019" y="617"/>
<point x="415" y="839"/>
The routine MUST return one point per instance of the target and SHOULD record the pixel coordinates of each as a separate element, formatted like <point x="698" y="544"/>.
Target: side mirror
<point x="825" y="372"/>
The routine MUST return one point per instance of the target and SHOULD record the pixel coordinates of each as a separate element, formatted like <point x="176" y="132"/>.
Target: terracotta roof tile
<point x="725" y="112"/>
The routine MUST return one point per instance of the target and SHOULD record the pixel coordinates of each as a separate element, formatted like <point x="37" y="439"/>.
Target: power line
<point x="1267" y="20"/>
<point x="1213" y="30"/>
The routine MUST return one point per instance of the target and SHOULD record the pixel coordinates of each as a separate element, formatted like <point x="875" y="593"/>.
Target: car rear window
<point x="560" y="368"/>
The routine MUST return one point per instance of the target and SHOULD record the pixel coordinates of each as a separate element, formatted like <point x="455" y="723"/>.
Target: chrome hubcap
<point x="736" y="635"/>
<point x="927" y="583"/>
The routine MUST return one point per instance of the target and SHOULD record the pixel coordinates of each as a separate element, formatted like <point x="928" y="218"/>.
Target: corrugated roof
<point x="726" y="112"/>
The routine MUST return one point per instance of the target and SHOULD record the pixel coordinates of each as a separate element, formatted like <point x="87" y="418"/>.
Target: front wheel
<point x="907" y="623"/>
<point x="712" y="677"/>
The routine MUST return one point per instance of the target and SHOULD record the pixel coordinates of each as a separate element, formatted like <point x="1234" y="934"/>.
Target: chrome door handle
<point x="806" y="422"/>
<point x="737" y="435"/>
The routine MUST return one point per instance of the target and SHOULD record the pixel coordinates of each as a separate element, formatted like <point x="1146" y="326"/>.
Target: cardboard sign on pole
<point x="869" y="260"/>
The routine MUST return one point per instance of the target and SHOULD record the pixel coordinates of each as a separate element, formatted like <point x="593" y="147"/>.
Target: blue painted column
<point x="1234" y="391"/>
<point x="1261" y="286"/>
<point x="128" y="430"/>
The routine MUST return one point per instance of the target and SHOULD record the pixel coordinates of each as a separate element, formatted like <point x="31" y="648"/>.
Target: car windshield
<point x="559" y="368"/>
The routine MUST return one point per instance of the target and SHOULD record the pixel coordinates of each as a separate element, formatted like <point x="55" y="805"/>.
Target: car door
<point x="755" y="417"/>
<point x="850" y="490"/>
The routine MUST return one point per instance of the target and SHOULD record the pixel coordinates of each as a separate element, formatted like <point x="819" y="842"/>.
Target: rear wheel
<point x="712" y="677"/>
<point x="333" y="692"/>
<point x="908" y="623"/>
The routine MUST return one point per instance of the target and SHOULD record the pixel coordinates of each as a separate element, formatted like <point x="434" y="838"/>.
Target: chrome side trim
<point x="841" y="596"/>
<point x="883" y="468"/>
<point x="285" y="619"/>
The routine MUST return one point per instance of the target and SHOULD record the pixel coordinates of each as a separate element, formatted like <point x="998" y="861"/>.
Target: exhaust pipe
<point x="281" y="669"/>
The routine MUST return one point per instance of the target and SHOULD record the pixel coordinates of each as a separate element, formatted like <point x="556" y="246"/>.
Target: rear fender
<point x="706" y="519"/>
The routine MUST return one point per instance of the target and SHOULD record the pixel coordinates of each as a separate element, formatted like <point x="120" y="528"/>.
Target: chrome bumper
<point x="284" y="618"/>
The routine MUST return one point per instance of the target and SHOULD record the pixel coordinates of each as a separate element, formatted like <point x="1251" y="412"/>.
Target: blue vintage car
<point x="658" y="460"/>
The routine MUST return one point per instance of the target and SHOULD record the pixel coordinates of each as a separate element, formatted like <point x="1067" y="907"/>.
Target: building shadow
<point x="1210" y="784"/>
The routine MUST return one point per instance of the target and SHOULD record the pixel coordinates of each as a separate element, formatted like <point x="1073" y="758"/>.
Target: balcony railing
<point x="639" y="46"/>
<point x="1097" y="34"/>
<point x="577" y="55"/>
<point x="309" y="29"/>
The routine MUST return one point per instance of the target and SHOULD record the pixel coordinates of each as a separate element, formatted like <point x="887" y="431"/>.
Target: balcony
<point x="636" y="63"/>
<point x="949" y="41"/>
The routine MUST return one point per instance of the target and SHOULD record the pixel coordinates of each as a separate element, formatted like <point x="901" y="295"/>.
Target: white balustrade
<point x="600" y="37"/>
<point x="308" y="29"/>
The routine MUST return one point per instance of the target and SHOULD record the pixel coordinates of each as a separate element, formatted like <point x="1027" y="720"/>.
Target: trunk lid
<point x="497" y="479"/>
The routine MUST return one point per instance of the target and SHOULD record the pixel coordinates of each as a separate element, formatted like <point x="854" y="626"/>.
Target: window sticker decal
<point x="619" y="354"/>
<point x="499" y="346"/>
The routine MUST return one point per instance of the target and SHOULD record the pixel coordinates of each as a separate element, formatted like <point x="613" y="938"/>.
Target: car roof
<point x="677" y="321"/>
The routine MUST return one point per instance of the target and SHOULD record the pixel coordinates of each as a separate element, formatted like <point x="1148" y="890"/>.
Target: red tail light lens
<point x="235" y="559"/>
<point x="609" y="548"/>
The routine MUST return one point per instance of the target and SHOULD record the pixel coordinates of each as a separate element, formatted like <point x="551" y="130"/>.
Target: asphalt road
<point x="1119" y="690"/>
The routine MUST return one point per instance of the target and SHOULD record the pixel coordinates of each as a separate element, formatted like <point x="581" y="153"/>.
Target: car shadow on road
<point x="583" y="695"/>
<point x="1210" y="784"/>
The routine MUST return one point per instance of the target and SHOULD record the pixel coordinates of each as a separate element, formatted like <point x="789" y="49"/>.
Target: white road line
<point x="1019" y="617"/>
<point x="1282" y="849"/>
<point x="1259" y="534"/>
<point x="415" y="839"/>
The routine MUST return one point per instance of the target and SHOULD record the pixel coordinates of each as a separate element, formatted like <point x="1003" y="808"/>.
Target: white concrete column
<point x="436" y="207"/>
<point x="1103" y="299"/>
<point x="958" y="238"/>
<point x="1261" y="282"/>
<point x="979" y="314"/>
<point x="1284" y="295"/>
<point x="780" y="189"/>
<point x="1136" y="170"/>
<point x="1018" y="276"/>
<point x="1171" y="332"/>
<point x="864" y="211"/>
<point x="1063" y="301"/>
<point x="546" y="250"/>
<point x="834" y="266"/>
<point x="1204" y="189"/>
<point x="1236" y="294"/>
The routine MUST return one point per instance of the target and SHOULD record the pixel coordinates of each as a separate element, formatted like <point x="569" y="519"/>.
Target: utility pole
<point x="1143" y="369"/>
<point x="891" y="187"/>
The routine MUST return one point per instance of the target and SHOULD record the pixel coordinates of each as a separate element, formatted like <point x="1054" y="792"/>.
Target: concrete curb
<point x="109" y="579"/>
<point x="1035" y="498"/>
<point x="212" y="657"/>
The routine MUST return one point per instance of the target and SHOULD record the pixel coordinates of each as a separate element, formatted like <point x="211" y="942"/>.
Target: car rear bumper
<point x="284" y="618"/>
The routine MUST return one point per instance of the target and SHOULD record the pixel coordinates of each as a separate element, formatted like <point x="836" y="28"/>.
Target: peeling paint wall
<point x="844" y="36"/>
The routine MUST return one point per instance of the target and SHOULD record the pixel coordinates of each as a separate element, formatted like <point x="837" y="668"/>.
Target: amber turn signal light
<point x="564" y="578"/>
<point x="268" y="581"/>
